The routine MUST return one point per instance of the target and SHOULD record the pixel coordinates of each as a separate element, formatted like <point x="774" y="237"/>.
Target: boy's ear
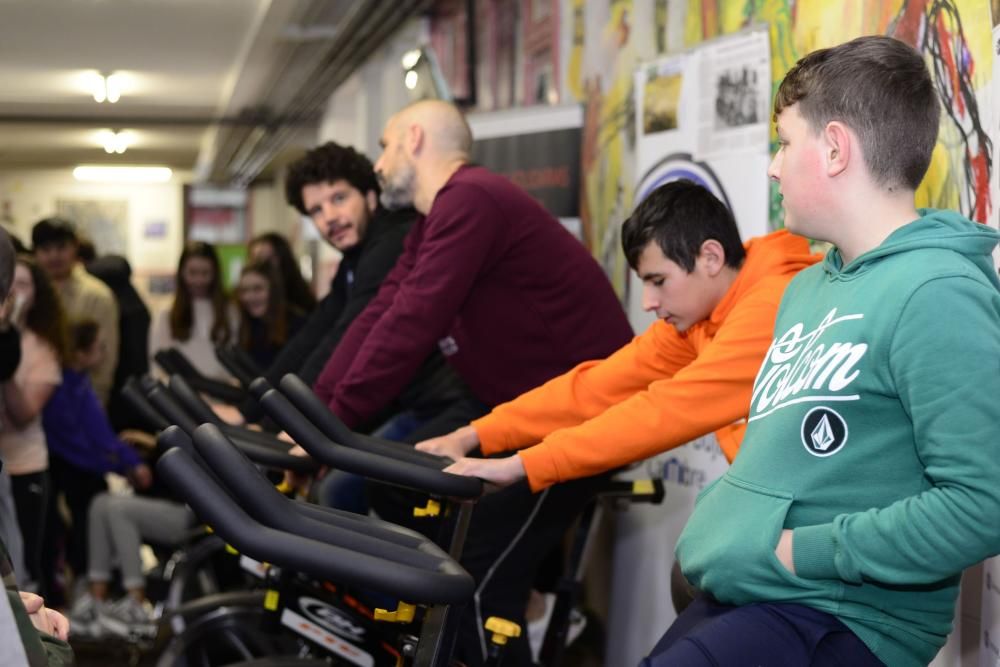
<point x="371" y="199"/>
<point x="838" y="142"/>
<point x="712" y="256"/>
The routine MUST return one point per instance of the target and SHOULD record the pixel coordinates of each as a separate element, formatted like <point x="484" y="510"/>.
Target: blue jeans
<point x="347" y="491"/>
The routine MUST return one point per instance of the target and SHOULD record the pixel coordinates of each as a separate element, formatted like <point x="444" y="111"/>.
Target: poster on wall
<point x="677" y="138"/>
<point x="734" y="102"/>
<point x="103" y="221"/>
<point x="538" y="149"/>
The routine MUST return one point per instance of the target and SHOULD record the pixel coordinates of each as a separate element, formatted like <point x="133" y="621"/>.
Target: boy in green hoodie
<point x="868" y="476"/>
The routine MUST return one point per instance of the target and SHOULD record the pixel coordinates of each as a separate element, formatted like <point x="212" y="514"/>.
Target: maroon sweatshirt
<point x="497" y="283"/>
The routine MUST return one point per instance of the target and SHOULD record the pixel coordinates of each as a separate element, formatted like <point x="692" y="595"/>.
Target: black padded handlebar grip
<point x="224" y="353"/>
<point x="164" y="401"/>
<point x="202" y="413"/>
<point x="303" y="398"/>
<point x="378" y="466"/>
<point x="263" y="502"/>
<point x="447" y="583"/>
<point x="133" y="395"/>
<point x="161" y="399"/>
<point x="191" y="401"/>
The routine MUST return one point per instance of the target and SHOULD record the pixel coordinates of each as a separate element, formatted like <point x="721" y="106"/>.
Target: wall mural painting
<point x="954" y="35"/>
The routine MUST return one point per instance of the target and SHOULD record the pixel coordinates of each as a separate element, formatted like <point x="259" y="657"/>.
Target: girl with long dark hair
<point x="267" y="321"/>
<point x="34" y="307"/>
<point x="200" y="316"/>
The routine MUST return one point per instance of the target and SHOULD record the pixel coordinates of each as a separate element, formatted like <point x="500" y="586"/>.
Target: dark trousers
<point x="79" y="487"/>
<point x="710" y="634"/>
<point x="31" y="497"/>
<point x="510" y="534"/>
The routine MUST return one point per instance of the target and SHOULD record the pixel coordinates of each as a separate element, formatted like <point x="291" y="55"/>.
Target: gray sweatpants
<point x="117" y="527"/>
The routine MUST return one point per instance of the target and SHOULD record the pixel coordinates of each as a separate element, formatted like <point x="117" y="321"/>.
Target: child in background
<point x="267" y="320"/>
<point x="82" y="444"/>
<point x="200" y="316"/>
<point x="38" y="313"/>
<point x="274" y="249"/>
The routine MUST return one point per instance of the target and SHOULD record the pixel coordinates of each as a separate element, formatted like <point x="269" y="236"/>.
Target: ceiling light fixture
<point x="115" y="141"/>
<point x="96" y="173"/>
<point x="106" y="87"/>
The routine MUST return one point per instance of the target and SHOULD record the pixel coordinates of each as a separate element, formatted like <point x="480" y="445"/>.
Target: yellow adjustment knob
<point x="231" y="550"/>
<point x="271" y="600"/>
<point x="502" y="629"/>
<point x="433" y="508"/>
<point x="643" y="487"/>
<point x="404" y="614"/>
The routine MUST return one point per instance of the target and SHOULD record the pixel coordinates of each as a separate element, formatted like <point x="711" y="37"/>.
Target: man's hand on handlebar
<point x="297" y="481"/>
<point x="455" y="445"/>
<point x="499" y="472"/>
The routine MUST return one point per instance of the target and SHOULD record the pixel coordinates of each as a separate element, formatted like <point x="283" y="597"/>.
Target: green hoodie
<point x="874" y="433"/>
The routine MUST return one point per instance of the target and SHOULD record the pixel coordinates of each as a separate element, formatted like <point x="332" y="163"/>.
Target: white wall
<point x="32" y="195"/>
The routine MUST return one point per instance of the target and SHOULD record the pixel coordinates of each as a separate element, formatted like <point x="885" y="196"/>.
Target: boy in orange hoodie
<point x="691" y="372"/>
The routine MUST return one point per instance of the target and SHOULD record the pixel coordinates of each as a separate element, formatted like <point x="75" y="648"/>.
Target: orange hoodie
<point x="661" y="390"/>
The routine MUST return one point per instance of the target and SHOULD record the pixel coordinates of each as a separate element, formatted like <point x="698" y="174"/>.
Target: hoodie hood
<point x="779" y="253"/>
<point x="940" y="229"/>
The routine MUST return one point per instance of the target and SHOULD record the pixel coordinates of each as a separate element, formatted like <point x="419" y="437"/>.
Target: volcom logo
<point x="824" y="432"/>
<point x="331" y="618"/>
<point x="799" y="368"/>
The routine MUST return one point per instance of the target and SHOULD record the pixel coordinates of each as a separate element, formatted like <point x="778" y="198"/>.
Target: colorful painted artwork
<point x="618" y="35"/>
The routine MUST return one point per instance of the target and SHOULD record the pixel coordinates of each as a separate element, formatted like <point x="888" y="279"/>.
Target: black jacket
<point x="357" y="281"/>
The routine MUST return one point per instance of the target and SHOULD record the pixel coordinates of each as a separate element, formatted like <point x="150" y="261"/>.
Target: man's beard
<point x="398" y="193"/>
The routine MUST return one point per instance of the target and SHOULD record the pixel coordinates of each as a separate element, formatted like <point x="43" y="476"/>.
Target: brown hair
<point x="297" y="290"/>
<point x="47" y="317"/>
<point x="880" y="88"/>
<point x="276" y="317"/>
<point x="181" y="312"/>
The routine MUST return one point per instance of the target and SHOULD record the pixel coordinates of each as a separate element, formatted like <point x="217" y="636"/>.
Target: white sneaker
<point x="128" y="618"/>
<point x="83" y="617"/>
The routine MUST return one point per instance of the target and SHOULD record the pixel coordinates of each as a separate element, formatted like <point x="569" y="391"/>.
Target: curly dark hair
<point x="326" y="164"/>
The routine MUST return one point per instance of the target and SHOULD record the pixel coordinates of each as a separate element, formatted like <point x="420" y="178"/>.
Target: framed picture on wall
<point x="216" y="215"/>
<point x="103" y="221"/>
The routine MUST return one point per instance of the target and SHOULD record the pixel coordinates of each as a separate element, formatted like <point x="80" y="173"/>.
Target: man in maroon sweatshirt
<point x="510" y="298"/>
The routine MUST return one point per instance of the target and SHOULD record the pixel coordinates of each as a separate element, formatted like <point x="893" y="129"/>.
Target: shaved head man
<point x="422" y="146"/>
<point x="511" y="299"/>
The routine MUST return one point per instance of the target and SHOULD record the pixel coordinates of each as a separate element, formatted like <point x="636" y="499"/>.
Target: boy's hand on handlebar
<point x="455" y="445"/>
<point x="500" y="472"/>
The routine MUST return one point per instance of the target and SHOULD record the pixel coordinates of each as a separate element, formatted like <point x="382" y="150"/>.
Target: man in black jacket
<point x="335" y="187"/>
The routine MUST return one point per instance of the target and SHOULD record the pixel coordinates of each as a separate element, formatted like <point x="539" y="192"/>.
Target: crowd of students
<point x="83" y="331"/>
<point x="853" y="394"/>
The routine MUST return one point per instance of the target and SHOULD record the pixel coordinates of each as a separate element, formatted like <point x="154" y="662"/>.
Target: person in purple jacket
<point x="511" y="299"/>
<point x="83" y="445"/>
